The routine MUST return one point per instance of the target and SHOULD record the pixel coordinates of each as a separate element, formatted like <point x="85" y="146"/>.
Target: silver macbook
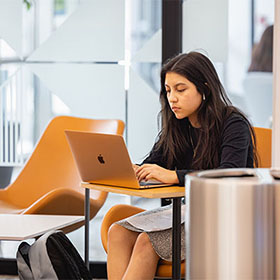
<point x="104" y="159"/>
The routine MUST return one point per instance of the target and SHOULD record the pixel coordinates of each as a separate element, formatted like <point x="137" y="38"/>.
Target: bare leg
<point x="120" y="245"/>
<point x="144" y="260"/>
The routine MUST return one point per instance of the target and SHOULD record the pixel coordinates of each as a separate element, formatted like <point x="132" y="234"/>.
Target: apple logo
<point x="101" y="159"/>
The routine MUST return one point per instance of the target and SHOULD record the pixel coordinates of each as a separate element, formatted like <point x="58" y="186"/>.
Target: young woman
<point x="200" y="130"/>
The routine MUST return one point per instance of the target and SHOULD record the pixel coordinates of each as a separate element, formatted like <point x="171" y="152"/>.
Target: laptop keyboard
<point x="149" y="183"/>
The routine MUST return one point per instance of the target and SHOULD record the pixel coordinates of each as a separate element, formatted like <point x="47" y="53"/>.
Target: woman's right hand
<point x="148" y="172"/>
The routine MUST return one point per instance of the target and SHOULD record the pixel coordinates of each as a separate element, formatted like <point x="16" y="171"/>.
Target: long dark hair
<point x="212" y="113"/>
<point x="263" y="52"/>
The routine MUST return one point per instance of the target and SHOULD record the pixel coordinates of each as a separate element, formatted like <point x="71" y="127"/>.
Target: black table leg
<point x="176" y="238"/>
<point x="87" y="214"/>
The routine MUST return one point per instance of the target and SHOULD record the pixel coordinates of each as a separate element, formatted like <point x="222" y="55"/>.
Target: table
<point x="173" y="192"/>
<point x="18" y="227"/>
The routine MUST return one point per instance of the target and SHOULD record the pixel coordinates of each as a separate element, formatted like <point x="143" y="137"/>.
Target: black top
<point x="236" y="150"/>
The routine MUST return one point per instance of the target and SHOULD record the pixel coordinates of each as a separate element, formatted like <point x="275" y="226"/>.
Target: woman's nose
<point x="172" y="97"/>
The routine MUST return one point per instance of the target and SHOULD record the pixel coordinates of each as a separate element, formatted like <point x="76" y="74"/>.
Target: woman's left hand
<point x="154" y="172"/>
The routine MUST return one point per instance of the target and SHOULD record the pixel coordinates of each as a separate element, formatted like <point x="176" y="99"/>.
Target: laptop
<point x="103" y="159"/>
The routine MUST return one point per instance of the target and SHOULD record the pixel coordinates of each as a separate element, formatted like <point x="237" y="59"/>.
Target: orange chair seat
<point x="8" y="208"/>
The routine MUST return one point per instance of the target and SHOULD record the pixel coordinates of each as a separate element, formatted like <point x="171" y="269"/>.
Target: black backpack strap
<point x="66" y="252"/>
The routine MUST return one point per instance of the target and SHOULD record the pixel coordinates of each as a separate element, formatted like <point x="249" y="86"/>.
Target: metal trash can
<point x="232" y="224"/>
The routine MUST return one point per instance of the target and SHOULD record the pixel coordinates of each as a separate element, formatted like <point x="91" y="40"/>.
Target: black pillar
<point x="171" y="36"/>
<point x="171" y="28"/>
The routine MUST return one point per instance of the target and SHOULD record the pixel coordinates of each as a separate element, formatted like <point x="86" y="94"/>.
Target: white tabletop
<point x="20" y="227"/>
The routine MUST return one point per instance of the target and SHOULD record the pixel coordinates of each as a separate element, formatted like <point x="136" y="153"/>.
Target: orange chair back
<point x="263" y="141"/>
<point x="51" y="166"/>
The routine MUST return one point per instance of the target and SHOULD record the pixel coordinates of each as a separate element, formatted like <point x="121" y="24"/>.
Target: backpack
<point x="52" y="256"/>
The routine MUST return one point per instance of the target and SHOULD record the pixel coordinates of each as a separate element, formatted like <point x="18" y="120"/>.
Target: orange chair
<point x="122" y="211"/>
<point x="49" y="183"/>
<point x="263" y="141"/>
